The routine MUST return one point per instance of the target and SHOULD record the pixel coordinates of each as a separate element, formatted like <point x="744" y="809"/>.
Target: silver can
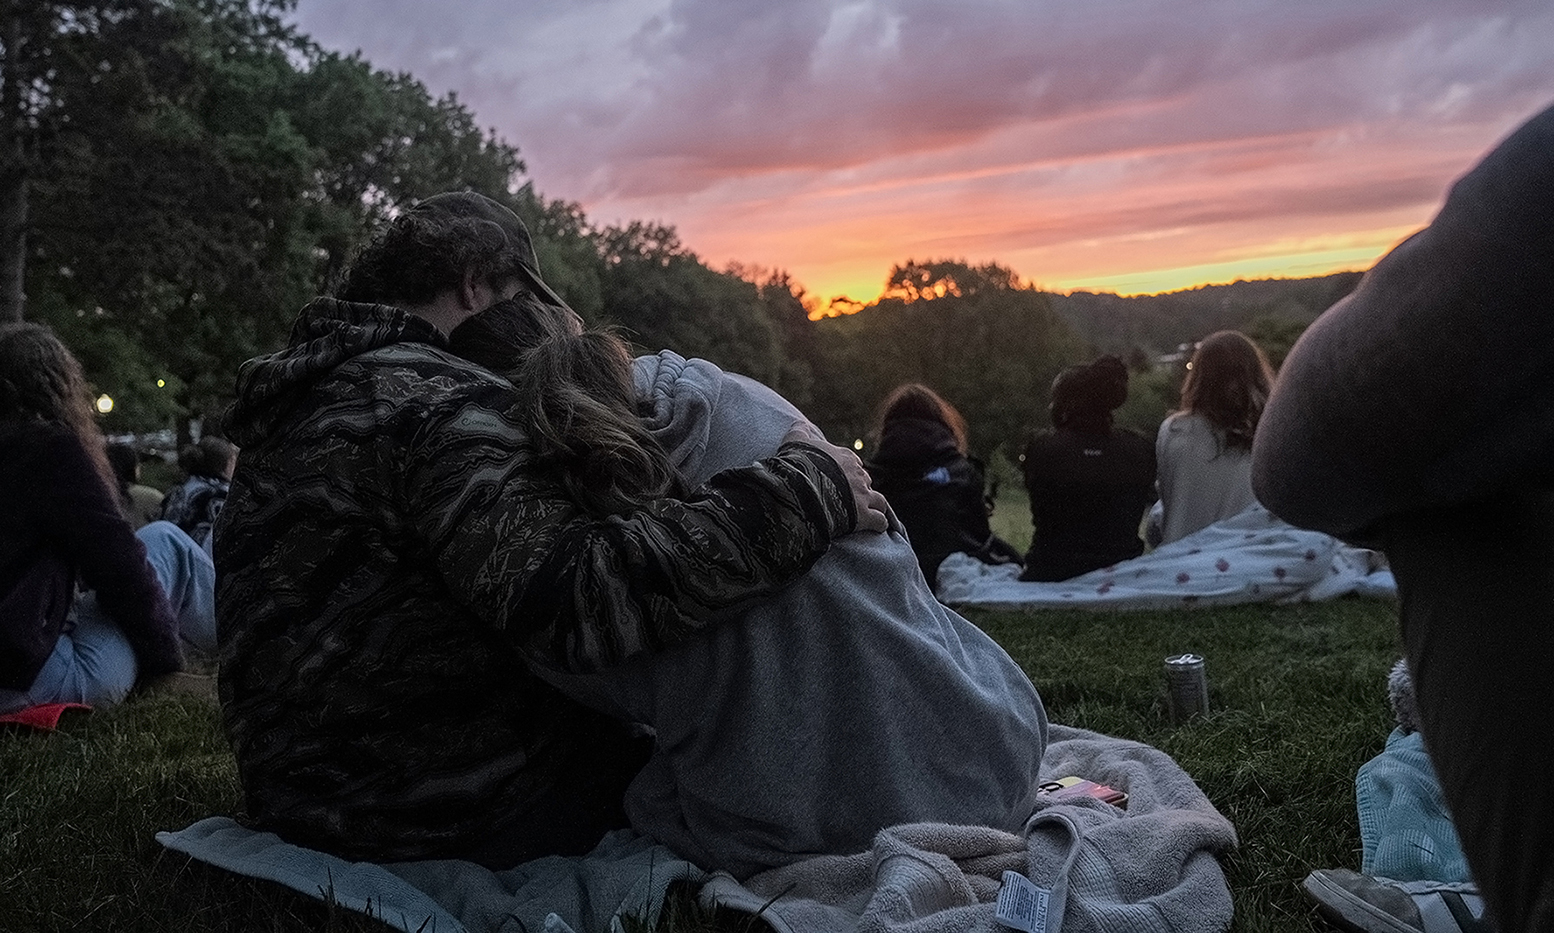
<point x="1187" y="687"/>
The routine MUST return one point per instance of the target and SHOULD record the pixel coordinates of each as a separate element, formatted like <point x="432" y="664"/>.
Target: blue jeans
<point x="93" y="662"/>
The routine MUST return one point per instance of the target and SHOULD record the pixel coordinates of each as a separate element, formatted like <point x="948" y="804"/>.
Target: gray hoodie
<point x="850" y="701"/>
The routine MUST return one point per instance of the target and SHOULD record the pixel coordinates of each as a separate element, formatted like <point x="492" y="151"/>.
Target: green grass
<point x="1298" y="703"/>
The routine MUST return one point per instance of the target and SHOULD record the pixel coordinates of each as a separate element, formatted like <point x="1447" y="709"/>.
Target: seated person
<point x="194" y="504"/>
<point x="1089" y="482"/>
<point x="1204" y="450"/>
<point x="149" y="592"/>
<point x="142" y="504"/>
<point x="849" y="701"/>
<point x="935" y="489"/>
<point x="395" y="561"/>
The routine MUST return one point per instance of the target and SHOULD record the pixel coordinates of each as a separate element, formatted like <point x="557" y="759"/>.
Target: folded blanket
<point x="1252" y="557"/>
<point x="1150" y="868"/>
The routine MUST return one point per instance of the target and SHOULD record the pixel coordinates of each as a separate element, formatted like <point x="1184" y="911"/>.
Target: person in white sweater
<point x="1203" y="452"/>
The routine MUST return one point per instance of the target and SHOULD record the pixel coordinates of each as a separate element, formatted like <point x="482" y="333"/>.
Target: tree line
<point x="178" y="177"/>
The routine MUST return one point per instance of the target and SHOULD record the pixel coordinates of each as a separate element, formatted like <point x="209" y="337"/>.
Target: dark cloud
<point x="718" y="87"/>
<point x="695" y="110"/>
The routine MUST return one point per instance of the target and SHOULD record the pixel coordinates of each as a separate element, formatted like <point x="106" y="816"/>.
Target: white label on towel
<point x="1022" y="905"/>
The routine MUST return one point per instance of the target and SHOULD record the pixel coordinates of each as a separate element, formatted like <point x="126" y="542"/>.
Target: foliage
<point x="47" y="50"/>
<point x="1275" y="334"/>
<point x="665" y="297"/>
<point x="1298" y="703"/>
<point x="971" y="333"/>
<point x="1159" y="324"/>
<point x="211" y="177"/>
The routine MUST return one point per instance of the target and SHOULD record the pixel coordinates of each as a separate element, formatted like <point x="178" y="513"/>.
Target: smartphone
<point x="1067" y="788"/>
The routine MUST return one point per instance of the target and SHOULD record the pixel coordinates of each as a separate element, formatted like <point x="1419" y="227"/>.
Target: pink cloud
<point x="823" y="136"/>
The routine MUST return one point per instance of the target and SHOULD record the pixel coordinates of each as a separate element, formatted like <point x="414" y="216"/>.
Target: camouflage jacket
<point x="392" y="567"/>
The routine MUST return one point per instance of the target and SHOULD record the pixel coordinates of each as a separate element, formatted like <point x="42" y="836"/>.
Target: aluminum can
<point x="1187" y="687"/>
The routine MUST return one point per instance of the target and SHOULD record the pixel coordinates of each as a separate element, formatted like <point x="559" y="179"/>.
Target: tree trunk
<point x="13" y="243"/>
<point x="13" y="171"/>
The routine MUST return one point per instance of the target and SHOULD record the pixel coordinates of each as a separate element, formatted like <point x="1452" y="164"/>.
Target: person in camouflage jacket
<point x="392" y="569"/>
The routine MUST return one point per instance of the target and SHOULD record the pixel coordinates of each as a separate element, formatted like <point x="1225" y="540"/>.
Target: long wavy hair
<point x="41" y="381"/>
<point x="1228" y="382"/>
<point x="915" y="400"/>
<point x="577" y="398"/>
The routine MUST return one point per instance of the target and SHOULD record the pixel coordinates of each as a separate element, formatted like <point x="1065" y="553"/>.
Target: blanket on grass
<point x="1251" y="557"/>
<point x="1150" y="868"/>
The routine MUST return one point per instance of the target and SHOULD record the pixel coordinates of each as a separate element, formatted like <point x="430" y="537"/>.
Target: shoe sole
<point x="1348" y="912"/>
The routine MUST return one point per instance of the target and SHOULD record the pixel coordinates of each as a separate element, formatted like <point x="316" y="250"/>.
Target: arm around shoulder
<point x="579" y="592"/>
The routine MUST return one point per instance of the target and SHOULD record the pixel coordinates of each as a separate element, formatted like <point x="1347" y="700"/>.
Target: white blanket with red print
<point x="1252" y="557"/>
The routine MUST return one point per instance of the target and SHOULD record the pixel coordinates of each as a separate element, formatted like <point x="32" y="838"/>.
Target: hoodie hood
<point x="326" y="334"/>
<point x="914" y="443"/>
<point x="677" y="398"/>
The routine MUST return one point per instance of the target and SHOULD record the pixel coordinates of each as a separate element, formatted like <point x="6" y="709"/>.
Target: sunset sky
<point x="1124" y="145"/>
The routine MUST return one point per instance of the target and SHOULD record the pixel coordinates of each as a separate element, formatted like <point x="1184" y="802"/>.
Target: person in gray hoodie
<point x="815" y="716"/>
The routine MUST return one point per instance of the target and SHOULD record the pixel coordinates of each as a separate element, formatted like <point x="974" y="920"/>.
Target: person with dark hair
<point x="194" y="504"/>
<point x="939" y="492"/>
<point x="149" y="592"/>
<point x="1204" y="450"/>
<point x="397" y="563"/>
<point x="1089" y="482"/>
<point x="1416" y="415"/>
<point x="848" y="702"/>
<point x="142" y="504"/>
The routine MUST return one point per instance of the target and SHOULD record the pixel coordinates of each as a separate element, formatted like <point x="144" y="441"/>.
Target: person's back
<point x="850" y="701"/>
<point x="1088" y="482"/>
<point x="938" y="492"/>
<point x="67" y="526"/>
<point x="1088" y="494"/>
<point x="1205" y="449"/>
<point x="196" y="503"/>
<point x="1202" y="480"/>
<point x="393" y="566"/>
<point x="935" y="491"/>
<point x="1416" y="415"/>
<point x="142" y="504"/>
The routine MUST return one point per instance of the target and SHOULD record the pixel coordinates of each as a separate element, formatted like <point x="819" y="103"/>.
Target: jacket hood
<point x="677" y="399"/>
<point x="326" y="334"/>
<point x="914" y="442"/>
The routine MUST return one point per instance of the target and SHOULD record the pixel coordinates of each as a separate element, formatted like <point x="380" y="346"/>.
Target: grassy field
<point x="1298" y="703"/>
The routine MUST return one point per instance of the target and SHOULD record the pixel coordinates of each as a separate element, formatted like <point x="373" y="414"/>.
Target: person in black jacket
<point x="936" y="490"/>
<point x="1089" y="482"/>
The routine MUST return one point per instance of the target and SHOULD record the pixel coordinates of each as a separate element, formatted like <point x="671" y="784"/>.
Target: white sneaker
<point x="1365" y="904"/>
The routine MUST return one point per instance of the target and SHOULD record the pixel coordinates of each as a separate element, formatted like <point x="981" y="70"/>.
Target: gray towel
<point x="1151" y="869"/>
<point x="851" y="701"/>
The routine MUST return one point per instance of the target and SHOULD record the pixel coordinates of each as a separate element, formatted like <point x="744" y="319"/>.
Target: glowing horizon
<point x="1178" y="145"/>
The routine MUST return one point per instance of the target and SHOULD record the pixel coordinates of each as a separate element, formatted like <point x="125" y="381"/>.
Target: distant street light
<point x="161" y="383"/>
<point x="104" y="403"/>
<point x="858" y="444"/>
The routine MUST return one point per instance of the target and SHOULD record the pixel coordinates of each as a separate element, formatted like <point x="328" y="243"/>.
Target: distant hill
<point x="1157" y="324"/>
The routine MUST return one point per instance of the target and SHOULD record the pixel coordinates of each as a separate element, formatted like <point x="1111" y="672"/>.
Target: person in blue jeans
<point x="1417" y="416"/>
<point x="89" y="609"/>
